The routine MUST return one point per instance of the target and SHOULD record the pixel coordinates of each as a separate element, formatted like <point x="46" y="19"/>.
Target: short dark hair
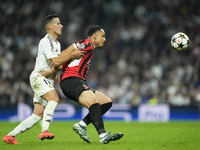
<point x="93" y="29"/>
<point x="48" y="19"/>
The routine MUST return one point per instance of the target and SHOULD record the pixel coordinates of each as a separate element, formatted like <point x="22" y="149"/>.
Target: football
<point x="180" y="41"/>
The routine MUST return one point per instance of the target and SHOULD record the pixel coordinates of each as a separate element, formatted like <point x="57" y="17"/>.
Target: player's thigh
<point x="38" y="109"/>
<point x="87" y="98"/>
<point x="51" y="96"/>
<point x="102" y="99"/>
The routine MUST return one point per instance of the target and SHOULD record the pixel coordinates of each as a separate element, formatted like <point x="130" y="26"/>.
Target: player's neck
<point x="92" y="42"/>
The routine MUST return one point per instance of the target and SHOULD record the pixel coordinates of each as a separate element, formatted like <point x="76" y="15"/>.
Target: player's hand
<point x="47" y="73"/>
<point x="77" y="53"/>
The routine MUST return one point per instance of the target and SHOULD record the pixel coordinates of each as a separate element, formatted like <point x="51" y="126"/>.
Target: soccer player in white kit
<point x="45" y="96"/>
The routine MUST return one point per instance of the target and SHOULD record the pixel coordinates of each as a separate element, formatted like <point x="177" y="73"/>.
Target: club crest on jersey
<point x="85" y="86"/>
<point x="50" y="86"/>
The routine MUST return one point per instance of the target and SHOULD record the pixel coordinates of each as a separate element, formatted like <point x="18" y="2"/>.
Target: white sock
<point x="82" y="123"/>
<point x="25" y="125"/>
<point x="48" y="114"/>
<point x="102" y="135"/>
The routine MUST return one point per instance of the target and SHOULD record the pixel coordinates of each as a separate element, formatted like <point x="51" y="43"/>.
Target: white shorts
<point x="41" y="86"/>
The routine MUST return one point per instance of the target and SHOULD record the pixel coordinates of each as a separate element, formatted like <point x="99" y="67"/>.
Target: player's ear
<point x="95" y="35"/>
<point x="50" y="27"/>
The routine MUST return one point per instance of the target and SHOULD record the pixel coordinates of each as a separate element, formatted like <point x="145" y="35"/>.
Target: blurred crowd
<point x="137" y="63"/>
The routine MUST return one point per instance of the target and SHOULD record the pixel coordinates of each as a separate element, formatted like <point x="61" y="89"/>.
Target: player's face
<point x="57" y="26"/>
<point x="100" y="38"/>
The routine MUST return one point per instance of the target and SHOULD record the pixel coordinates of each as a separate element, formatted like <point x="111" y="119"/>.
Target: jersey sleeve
<point x="48" y="48"/>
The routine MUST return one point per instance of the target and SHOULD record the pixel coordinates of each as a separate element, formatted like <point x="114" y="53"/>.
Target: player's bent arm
<point x="66" y="55"/>
<point x="48" y="73"/>
<point x="63" y="57"/>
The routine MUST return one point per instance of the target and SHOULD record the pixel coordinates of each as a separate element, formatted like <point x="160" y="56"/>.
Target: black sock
<point x="103" y="108"/>
<point x="96" y="118"/>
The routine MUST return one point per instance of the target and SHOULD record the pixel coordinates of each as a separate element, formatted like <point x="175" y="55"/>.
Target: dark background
<point x="137" y="64"/>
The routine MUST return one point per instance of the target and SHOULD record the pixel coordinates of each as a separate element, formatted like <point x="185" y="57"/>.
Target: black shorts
<point x="72" y="87"/>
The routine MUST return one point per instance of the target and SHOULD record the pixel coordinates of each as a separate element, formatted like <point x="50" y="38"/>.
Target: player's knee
<point x="87" y="102"/>
<point x="40" y="114"/>
<point x="109" y="100"/>
<point x="56" y="100"/>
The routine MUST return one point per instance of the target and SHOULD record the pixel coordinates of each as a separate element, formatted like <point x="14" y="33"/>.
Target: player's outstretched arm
<point x="66" y="55"/>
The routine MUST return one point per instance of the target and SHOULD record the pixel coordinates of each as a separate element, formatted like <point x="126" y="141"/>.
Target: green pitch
<point x="137" y="136"/>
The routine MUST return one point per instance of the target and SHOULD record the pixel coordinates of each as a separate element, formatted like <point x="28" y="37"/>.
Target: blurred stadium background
<point x="137" y="68"/>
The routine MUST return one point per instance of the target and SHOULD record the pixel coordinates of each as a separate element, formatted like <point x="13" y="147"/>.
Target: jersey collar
<point x="48" y="35"/>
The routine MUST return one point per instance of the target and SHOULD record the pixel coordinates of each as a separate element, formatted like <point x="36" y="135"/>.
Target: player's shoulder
<point x="83" y="41"/>
<point x="46" y="39"/>
<point x="85" y="44"/>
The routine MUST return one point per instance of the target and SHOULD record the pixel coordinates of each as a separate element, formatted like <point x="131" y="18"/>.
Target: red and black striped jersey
<point x="79" y="67"/>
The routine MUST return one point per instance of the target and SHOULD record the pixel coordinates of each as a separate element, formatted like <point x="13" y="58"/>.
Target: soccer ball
<point x="180" y="41"/>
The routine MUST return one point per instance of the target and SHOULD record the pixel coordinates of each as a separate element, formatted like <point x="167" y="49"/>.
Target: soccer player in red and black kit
<point x="74" y="86"/>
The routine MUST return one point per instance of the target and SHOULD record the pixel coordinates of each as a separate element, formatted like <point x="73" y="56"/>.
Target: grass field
<point x="137" y="136"/>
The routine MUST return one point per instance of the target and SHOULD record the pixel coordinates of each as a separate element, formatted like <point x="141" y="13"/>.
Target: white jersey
<point x="47" y="49"/>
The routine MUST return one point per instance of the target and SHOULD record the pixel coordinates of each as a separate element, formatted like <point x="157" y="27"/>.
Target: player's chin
<point x="101" y="47"/>
<point x="60" y="32"/>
